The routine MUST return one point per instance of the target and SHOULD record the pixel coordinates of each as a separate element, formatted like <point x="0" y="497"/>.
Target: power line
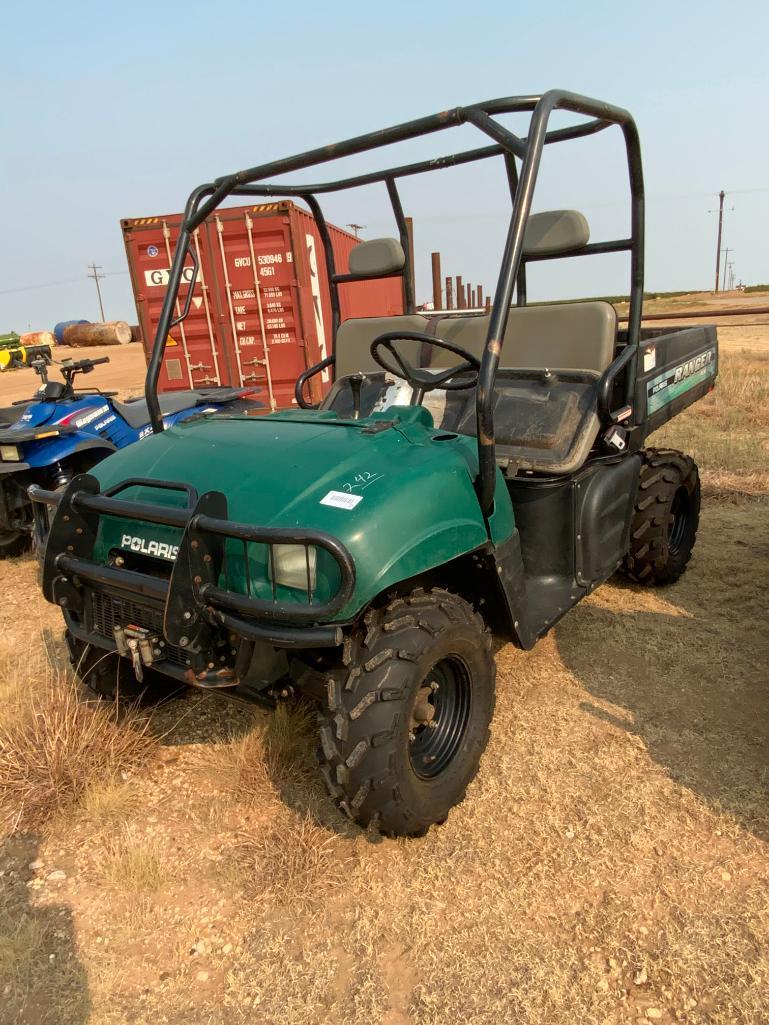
<point x="44" y="284"/>
<point x="55" y="284"/>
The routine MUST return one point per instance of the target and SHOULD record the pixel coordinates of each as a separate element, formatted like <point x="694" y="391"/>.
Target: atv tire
<point x="13" y="543"/>
<point x="111" y="677"/>
<point x="423" y="659"/>
<point x="666" y="517"/>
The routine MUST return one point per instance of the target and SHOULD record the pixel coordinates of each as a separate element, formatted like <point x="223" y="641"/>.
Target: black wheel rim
<point x="679" y="512"/>
<point x="439" y="718"/>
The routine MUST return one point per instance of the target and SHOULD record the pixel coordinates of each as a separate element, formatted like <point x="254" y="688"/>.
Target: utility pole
<point x="726" y="266"/>
<point x="722" y="194"/>
<point x="96" y="276"/>
<point x="357" y="228"/>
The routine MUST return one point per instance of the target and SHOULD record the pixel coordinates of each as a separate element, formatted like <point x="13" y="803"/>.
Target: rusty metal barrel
<point x="37" y="338"/>
<point x="113" y="332"/>
<point x="61" y="327"/>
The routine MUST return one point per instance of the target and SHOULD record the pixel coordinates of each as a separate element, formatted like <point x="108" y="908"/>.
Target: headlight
<point x="291" y="566"/>
<point x="10" y="453"/>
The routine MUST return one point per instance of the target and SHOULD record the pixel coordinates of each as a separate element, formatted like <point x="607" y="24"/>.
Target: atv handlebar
<point x="82" y="366"/>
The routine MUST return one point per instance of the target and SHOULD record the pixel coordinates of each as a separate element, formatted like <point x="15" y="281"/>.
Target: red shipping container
<point x="261" y="310"/>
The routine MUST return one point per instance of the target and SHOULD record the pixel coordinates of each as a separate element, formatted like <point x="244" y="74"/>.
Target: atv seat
<point x="551" y="361"/>
<point x="545" y="415"/>
<point x="136" y="414"/>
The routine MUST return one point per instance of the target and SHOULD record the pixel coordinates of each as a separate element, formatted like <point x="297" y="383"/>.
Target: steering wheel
<point x="424" y="380"/>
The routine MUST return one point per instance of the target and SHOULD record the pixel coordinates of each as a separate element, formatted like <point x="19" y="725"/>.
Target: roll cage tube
<point x="250" y="182"/>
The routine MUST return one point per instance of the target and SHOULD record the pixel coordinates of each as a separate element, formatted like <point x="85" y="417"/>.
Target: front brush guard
<point x="194" y="603"/>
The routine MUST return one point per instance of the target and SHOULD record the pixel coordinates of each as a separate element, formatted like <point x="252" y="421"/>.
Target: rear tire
<point x="666" y="517"/>
<point x="13" y="543"/>
<point x="408" y="714"/>
<point x="111" y="677"/>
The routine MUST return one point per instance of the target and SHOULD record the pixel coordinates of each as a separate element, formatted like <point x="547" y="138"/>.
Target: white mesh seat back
<point x="354" y="338"/>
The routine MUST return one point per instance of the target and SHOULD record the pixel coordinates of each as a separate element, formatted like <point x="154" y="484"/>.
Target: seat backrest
<point x="376" y="257"/>
<point x="354" y="338"/>
<point x="565" y="336"/>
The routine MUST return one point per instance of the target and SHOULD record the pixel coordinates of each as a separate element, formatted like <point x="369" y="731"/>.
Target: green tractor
<point x="466" y="473"/>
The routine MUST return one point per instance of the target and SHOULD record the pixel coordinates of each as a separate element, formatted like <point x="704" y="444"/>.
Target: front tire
<point x="408" y="714"/>
<point x="665" y="520"/>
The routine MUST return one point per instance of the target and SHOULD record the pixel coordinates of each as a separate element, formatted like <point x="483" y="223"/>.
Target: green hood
<point x="401" y="501"/>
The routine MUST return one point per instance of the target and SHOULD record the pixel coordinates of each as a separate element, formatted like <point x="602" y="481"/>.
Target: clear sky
<point x="119" y="110"/>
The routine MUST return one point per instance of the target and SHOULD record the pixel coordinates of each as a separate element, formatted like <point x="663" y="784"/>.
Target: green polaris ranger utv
<point x="465" y="473"/>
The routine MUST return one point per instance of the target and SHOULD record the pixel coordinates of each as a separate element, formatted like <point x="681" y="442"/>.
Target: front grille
<point x="108" y="612"/>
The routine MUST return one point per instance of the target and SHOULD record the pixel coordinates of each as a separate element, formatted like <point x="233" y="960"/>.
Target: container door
<point x="259" y="294"/>
<point x="193" y="350"/>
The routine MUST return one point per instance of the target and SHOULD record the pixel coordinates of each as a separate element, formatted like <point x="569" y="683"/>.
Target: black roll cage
<point x="512" y="148"/>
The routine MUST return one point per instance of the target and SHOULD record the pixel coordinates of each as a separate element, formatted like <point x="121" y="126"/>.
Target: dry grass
<point x="54" y="746"/>
<point x="41" y="981"/>
<point x="741" y="398"/>
<point x="728" y="431"/>
<point x="276" y="752"/>
<point x="291" y="860"/>
<point x="134" y="864"/>
<point x="21" y="940"/>
<point x="106" y="802"/>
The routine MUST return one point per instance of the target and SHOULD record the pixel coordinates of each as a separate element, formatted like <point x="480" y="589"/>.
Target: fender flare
<point x="60" y="453"/>
<point x="98" y="443"/>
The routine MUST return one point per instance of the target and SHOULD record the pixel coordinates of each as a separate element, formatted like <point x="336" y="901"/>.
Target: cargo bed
<point x="676" y="366"/>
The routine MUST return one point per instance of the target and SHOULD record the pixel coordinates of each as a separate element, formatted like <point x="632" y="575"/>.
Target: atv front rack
<point x="192" y="598"/>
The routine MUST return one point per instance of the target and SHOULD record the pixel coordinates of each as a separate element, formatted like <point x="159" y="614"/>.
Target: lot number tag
<point x="341" y="500"/>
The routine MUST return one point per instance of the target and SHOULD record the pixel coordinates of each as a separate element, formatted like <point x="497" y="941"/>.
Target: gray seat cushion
<point x="354" y="338"/>
<point x="556" y="233"/>
<point x="376" y="257"/>
<point x="564" y="336"/>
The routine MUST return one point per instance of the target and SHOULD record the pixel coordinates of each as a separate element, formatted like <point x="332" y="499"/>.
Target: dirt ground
<point x="123" y="374"/>
<point x="609" y="865"/>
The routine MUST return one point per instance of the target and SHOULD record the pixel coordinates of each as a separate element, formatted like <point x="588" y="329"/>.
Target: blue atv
<point x="60" y="432"/>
